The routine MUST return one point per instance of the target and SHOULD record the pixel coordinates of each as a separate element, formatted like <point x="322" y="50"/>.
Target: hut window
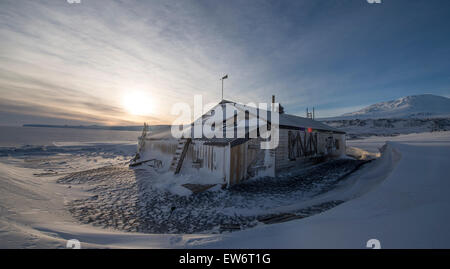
<point x="336" y="142"/>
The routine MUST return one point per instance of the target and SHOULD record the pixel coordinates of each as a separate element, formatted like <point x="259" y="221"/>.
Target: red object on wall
<point x="309" y="130"/>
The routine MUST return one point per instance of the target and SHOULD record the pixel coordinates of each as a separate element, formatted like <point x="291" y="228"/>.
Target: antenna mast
<point x="224" y="77"/>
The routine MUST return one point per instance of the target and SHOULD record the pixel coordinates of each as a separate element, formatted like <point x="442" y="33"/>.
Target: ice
<point x="402" y="199"/>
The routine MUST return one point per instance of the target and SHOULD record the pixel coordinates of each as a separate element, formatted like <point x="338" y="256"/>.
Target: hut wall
<point x="162" y="150"/>
<point x="340" y="145"/>
<point x="163" y="146"/>
<point x="238" y="163"/>
<point x="282" y="151"/>
<point x="207" y="159"/>
<point x="331" y="144"/>
<point x="296" y="146"/>
<point x="290" y="153"/>
<point x="249" y="160"/>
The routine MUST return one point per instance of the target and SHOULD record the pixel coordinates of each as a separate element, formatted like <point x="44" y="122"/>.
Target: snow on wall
<point x="241" y="162"/>
<point x="260" y="162"/>
<point x="163" y="150"/>
<point x="206" y="159"/>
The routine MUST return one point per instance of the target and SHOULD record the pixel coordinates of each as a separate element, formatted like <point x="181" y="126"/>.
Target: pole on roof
<point x="224" y="77"/>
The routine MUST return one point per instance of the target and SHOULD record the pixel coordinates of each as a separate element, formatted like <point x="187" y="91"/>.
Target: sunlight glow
<point x="138" y="103"/>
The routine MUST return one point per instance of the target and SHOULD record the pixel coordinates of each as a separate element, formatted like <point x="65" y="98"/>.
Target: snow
<point x="415" y="106"/>
<point x="401" y="199"/>
<point x="389" y="127"/>
<point x="168" y="181"/>
<point x="361" y="154"/>
<point x="131" y="200"/>
<point x="406" y="115"/>
<point x="374" y="143"/>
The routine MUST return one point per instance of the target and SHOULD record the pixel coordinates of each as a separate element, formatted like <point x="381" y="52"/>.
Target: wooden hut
<point x="236" y="159"/>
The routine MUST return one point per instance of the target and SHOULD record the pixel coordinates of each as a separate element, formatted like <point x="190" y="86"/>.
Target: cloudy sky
<point x="124" y="62"/>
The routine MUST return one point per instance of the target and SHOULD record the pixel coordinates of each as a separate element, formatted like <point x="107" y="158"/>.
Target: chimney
<point x="280" y="107"/>
<point x="273" y="103"/>
<point x="310" y="115"/>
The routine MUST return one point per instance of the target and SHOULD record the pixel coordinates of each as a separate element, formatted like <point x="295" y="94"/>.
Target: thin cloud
<point x="82" y="59"/>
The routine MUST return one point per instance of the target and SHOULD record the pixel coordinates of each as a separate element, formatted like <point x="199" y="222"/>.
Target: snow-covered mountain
<point x="411" y="114"/>
<point x="357" y="128"/>
<point x="415" y="106"/>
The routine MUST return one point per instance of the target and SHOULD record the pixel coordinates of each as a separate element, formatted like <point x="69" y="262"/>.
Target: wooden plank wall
<point x="311" y="146"/>
<point x="206" y="154"/>
<point x="301" y="144"/>
<point x="238" y="163"/>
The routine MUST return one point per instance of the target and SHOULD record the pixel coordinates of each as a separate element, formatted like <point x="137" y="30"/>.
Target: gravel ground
<point x="124" y="199"/>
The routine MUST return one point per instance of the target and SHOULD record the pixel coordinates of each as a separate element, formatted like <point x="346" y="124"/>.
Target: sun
<point x="138" y="103"/>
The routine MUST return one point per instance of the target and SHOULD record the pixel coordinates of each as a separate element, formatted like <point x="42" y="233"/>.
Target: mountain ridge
<point x="413" y="106"/>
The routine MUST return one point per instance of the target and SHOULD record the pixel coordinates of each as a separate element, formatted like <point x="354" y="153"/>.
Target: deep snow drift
<point x="127" y="199"/>
<point x="402" y="199"/>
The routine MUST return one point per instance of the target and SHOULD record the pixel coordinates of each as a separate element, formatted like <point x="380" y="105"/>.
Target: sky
<point x="126" y="62"/>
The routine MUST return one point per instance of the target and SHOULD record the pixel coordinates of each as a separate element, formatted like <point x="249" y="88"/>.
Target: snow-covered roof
<point x="225" y="141"/>
<point x="288" y="120"/>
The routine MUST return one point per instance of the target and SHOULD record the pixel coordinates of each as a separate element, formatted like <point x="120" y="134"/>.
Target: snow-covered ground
<point x="402" y="199"/>
<point x="129" y="199"/>
<point x="374" y="143"/>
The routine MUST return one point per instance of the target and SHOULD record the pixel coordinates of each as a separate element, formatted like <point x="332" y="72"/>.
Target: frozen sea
<point x="65" y="150"/>
<point x="12" y="136"/>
